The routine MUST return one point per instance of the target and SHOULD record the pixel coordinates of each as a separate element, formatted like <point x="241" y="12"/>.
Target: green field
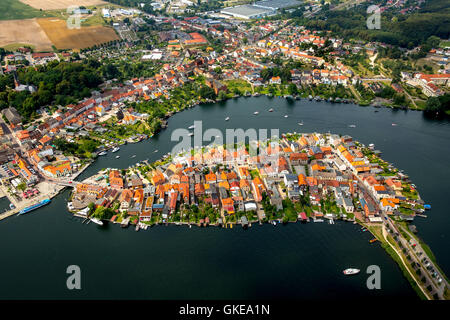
<point x="14" y="9"/>
<point x="445" y="43"/>
<point x="15" y="46"/>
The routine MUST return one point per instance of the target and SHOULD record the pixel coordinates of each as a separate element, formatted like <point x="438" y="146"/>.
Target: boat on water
<point x="373" y="240"/>
<point x="191" y="127"/>
<point x="310" y="97"/>
<point x="270" y="110"/>
<point x="133" y="156"/>
<point x="274" y="223"/>
<point x="102" y="153"/>
<point x="156" y="151"/>
<point x="227" y="118"/>
<point x="190" y="134"/>
<point x="350" y="271"/>
<point x="115" y="149"/>
<point x="286" y="116"/>
<point x="117" y="157"/>
<point x="97" y="221"/>
<point x="84" y="211"/>
<point x="300" y="123"/>
<point x="11" y="206"/>
<point x="394" y="124"/>
<point x="256" y="112"/>
<point x="35" y="206"/>
<point x="427" y="206"/>
<point x="352" y="126"/>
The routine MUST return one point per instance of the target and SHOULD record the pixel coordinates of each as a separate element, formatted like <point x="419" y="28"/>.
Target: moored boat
<point x="35" y="206"/>
<point x="97" y="221"/>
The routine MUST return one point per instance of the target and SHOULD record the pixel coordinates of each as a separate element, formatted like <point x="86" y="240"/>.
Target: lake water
<point x="301" y="261"/>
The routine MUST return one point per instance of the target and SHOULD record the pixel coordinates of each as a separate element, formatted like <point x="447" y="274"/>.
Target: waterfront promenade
<point x="48" y="188"/>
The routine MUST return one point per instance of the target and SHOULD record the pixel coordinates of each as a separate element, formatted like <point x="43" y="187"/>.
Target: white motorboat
<point x="102" y="153"/>
<point x="115" y="149"/>
<point x="270" y="110"/>
<point x="95" y="220"/>
<point x="191" y="127"/>
<point x="117" y="157"/>
<point x="350" y="271"/>
<point x="286" y="116"/>
<point x="300" y="123"/>
<point x="352" y="126"/>
<point x="227" y="118"/>
<point x="256" y="112"/>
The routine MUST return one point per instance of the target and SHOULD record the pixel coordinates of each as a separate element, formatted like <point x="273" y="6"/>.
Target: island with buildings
<point x="299" y="176"/>
<point x="296" y="177"/>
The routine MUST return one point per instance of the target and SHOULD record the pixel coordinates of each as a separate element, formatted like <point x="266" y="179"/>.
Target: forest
<point x="59" y="83"/>
<point x="407" y="30"/>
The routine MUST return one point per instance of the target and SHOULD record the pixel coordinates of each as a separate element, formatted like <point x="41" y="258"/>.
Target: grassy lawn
<point x="238" y="85"/>
<point x="15" y="46"/>
<point x="14" y="9"/>
<point x="445" y="43"/>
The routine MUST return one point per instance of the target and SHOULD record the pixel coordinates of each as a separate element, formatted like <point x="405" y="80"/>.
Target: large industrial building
<point x="259" y="9"/>
<point x="247" y="11"/>
<point x="277" y="4"/>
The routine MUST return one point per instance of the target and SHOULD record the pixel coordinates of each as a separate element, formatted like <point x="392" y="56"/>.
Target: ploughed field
<point x="26" y="31"/>
<point x="64" y="38"/>
<point x="42" y="33"/>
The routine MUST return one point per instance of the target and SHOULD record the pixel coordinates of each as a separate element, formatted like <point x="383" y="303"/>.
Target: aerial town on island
<point x="298" y="177"/>
<point x="63" y="104"/>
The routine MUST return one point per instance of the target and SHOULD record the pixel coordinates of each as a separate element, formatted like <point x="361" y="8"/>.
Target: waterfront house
<point x="115" y="179"/>
<point x="125" y="199"/>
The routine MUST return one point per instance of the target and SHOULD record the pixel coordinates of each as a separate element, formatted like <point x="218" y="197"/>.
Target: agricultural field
<point x="59" y="4"/>
<point x="15" y="10"/>
<point x="65" y="38"/>
<point x="25" y="32"/>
